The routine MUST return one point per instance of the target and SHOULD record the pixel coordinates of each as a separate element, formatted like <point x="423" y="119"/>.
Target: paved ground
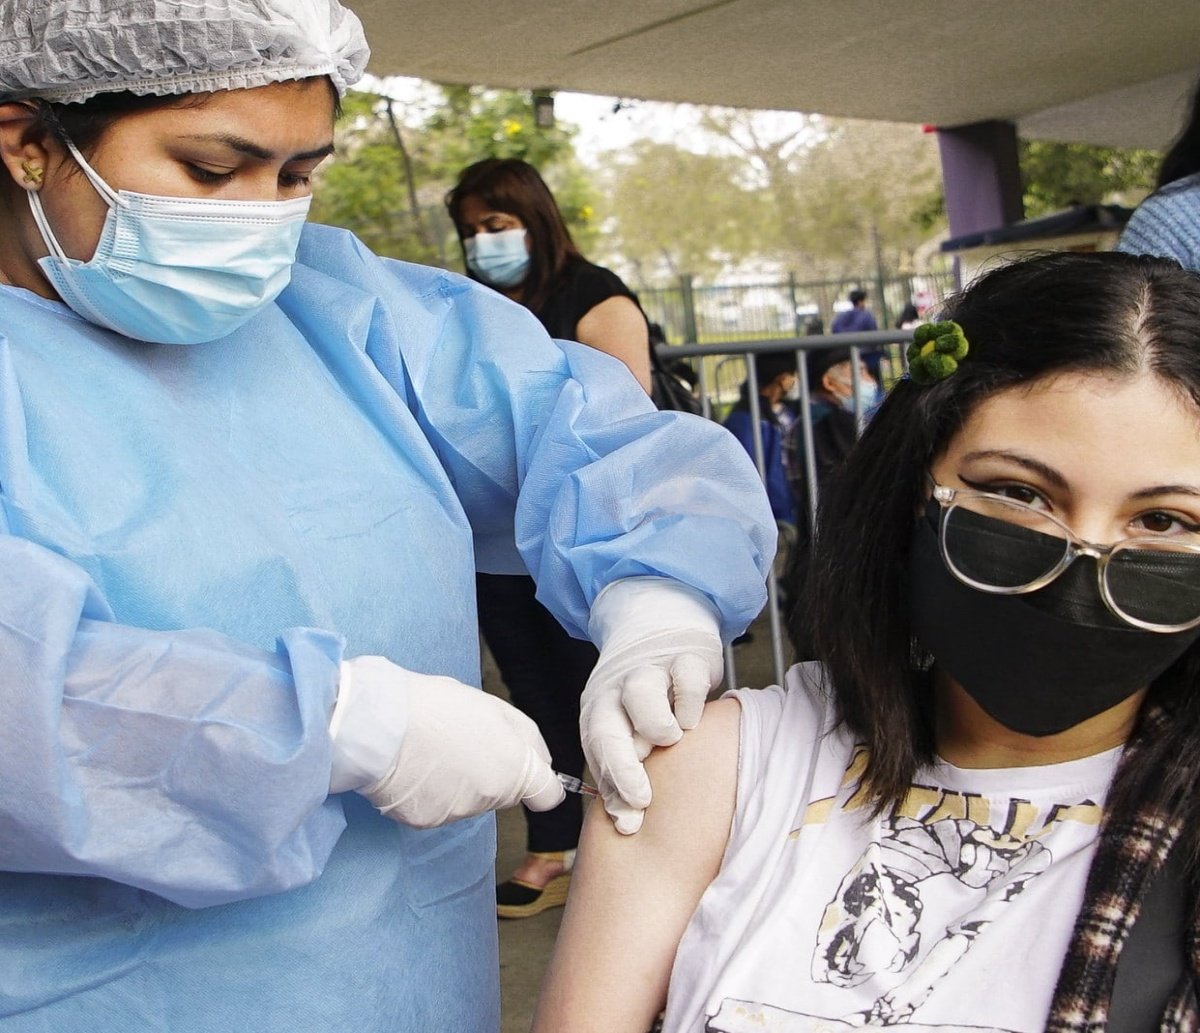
<point x="525" y="944"/>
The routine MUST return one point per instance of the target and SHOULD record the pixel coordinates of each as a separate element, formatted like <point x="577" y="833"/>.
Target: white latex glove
<point x="660" y="656"/>
<point x="426" y="749"/>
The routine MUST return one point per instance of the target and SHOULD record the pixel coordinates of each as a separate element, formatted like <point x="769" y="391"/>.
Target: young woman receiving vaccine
<point x="959" y="817"/>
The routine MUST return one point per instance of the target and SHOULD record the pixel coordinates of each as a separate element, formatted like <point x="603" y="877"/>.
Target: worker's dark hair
<point x="84" y="123"/>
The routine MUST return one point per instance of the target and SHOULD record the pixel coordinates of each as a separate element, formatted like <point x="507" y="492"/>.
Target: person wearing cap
<point x="247" y="473"/>
<point x="833" y="414"/>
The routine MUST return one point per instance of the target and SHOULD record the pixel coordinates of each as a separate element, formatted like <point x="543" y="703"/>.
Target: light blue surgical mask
<point x="499" y="259"/>
<point x="868" y="395"/>
<point x="176" y="270"/>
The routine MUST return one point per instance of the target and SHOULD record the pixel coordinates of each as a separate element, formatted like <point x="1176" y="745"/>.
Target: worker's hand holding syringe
<point x="427" y="750"/>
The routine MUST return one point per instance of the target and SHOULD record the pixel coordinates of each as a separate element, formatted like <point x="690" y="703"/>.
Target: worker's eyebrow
<point x="244" y="146"/>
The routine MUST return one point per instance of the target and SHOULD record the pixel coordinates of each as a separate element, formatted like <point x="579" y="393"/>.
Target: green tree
<point x="1058" y="175"/>
<point x="396" y="162"/>
<point x="843" y="195"/>
<point x="365" y="188"/>
<point x="672" y="211"/>
<point x="870" y="193"/>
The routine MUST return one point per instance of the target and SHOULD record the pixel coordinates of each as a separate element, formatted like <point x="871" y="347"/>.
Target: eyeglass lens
<point x="1001" y="544"/>
<point x="1155" y="583"/>
<point x="1008" y="546"/>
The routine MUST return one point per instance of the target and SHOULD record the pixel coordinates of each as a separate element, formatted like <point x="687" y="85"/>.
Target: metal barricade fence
<point x="892" y="341"/>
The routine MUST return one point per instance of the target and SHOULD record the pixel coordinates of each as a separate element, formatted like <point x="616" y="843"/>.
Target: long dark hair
<point x="514" y="186"/>
<point x="1183" y="158"/>
<point x="1104" y="313"/>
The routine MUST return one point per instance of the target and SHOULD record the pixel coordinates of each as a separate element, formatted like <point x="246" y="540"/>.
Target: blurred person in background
<point x="859" y="319"/>
<point x="776" y="376"/>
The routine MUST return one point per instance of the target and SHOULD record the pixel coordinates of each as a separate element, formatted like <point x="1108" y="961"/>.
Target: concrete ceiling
<point x="1114" y="72"/>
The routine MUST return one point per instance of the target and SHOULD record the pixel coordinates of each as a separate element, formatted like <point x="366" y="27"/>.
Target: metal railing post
<point x="856" y="342"/>
<point x="688" y="299"/>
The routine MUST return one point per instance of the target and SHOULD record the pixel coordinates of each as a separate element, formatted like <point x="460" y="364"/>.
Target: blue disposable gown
<point x="190" y="540"/>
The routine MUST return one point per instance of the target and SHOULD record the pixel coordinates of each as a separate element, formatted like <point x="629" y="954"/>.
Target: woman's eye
<point x="203" y="175"/>
<point x="1017" y="492"/>
<point x="294" y="179"/>
<point x="1162" y="523"/>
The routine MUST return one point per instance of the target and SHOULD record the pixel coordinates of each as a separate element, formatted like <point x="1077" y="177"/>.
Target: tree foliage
<point x="1058" y="175"/>
<point x="395" y="163"/>
<point x="672" y="211"/>
<point x="866" y="193"/>
<point x="819" y="197"/>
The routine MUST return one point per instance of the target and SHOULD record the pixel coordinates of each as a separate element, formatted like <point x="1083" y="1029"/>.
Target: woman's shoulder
<point x="589" y="284"/>
<point x="1183" y="185"/>
<point x="581" y="271"/>
<point x="581" y="286"/>
<point x="1180" y="195"/>
<point x="792" y="749"/>
<point x="779" y="721"/>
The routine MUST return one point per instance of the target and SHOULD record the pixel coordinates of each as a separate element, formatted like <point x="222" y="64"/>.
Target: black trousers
<point x="544" y="670"/>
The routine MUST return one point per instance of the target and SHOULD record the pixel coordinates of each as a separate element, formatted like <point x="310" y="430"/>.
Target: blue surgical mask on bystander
<point x="498" y="259"/>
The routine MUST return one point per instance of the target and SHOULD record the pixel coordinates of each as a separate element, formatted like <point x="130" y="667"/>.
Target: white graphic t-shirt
<point x="950" y="913"/>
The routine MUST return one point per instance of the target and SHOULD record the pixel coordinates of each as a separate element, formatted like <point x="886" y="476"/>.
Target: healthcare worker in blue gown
<point x="247" y="473"/>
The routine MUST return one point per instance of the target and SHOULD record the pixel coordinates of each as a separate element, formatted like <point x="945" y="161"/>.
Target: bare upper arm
<point x="632" y="896"/>
<point x="618" y="327"/>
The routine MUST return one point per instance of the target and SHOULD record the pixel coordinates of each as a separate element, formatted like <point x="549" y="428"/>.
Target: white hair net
<point x="70" y="50"/>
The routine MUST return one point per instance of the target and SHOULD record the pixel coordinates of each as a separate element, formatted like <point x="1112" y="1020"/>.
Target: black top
<point x="582" y="288"/>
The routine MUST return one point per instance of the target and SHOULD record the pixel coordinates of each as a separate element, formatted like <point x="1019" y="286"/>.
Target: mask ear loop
<point x="43" y="225"/>
<point x="109" y="196"/>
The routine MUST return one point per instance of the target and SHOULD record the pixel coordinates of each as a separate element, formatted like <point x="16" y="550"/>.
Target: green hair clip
<point x="935" y="352"/>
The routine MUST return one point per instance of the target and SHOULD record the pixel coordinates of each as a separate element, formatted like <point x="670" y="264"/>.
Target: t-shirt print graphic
<point x="874" y="918"/>
<point x="872" y="926"/>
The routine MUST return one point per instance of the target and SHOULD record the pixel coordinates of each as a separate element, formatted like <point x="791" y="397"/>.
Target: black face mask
<point x="1041" y="662"/>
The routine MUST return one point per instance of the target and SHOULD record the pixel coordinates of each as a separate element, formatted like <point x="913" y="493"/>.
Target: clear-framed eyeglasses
<point x="1001" y="545"/>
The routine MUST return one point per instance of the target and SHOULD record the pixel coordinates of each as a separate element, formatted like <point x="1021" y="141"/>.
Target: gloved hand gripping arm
<point x="427" y="750"/>
<point x="660" y="656"/>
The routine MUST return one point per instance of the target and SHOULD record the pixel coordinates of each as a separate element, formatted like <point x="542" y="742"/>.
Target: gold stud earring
<point x="33" y="173"/>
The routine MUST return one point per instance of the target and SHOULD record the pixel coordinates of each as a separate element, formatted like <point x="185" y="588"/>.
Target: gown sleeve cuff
<point x="368" y="725"/>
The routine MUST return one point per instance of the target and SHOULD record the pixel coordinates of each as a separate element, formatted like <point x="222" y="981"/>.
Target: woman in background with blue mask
<point x="515" y="240"/>
<point x="981" y="809"/>
<point x="247" y="473"/>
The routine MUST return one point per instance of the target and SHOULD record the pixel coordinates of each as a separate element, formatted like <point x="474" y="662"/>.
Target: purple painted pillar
<point x="981" y="175"/>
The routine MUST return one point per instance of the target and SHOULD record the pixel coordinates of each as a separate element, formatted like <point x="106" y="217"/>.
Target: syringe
<point x="576" y="785"/>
